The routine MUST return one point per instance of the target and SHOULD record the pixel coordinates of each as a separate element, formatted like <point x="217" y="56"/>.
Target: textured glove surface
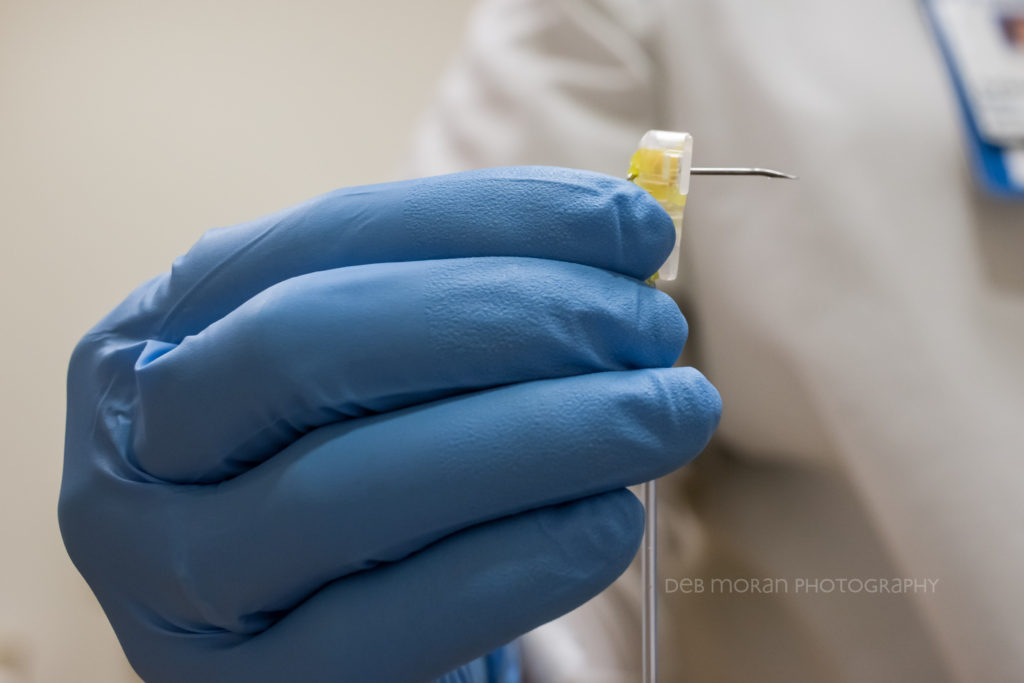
<point x="379" y="434"/>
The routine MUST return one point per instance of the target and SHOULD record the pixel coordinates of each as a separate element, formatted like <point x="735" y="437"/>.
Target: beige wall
<point x="127" y="128"/>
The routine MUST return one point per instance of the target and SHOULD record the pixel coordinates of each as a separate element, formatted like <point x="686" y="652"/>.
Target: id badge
<point x="982" y="42"/>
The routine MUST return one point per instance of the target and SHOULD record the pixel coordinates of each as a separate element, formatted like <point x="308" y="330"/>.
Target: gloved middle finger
<point x="344" y="343"/>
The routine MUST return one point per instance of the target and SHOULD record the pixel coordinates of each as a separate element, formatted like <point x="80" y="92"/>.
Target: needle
<point x="764" y="172"/>
<point x="649" y="572"/>
<point x="649" y="553"/>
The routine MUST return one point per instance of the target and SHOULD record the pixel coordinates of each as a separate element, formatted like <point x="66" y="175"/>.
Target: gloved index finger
<point x="540" y="212"/>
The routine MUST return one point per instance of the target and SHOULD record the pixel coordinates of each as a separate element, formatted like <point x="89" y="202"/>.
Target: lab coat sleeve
<point x="557" y="82"/>
<point x="866" y="346"/>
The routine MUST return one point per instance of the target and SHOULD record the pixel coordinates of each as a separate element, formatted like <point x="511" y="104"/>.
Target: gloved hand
<point x="379" y="434"/>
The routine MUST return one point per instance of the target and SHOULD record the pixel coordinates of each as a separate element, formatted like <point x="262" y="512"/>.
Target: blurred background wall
<point x="127" y="128"/>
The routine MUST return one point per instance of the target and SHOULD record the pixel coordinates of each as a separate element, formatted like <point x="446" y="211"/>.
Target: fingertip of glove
<point x="669" y="414"/>
<point x="700" y="406"/>
<point x="666" y="328"/>
<point x="646" y="227"/>
<point x="710" y="399"/>
<point x="551" y="212"/>
<point x="644" y="232"/>
<point x="597" y="537"/>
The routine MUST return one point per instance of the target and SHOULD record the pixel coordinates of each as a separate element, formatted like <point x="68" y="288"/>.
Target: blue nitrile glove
<point x="377" y="435"/>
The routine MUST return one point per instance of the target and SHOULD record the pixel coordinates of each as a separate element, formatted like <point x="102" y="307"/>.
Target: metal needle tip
<point x="766" y="172"/>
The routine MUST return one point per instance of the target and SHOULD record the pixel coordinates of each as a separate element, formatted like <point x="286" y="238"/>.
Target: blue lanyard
<point x="988" y="160"/>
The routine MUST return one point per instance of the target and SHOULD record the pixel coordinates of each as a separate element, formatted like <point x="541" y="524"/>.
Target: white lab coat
<point x="865" y="326"/>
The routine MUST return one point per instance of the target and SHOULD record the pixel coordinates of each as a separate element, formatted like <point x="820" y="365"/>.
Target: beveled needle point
<point x="766" y="172"/>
